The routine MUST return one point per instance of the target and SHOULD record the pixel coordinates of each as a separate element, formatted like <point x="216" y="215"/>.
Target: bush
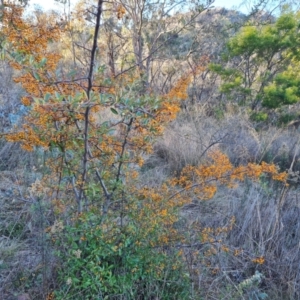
<point x="101" y="260"/>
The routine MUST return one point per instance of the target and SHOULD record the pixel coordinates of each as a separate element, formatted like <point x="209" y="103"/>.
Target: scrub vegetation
<point x="149" y="150"/>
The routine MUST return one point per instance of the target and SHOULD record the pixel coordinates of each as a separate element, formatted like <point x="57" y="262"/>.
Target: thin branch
<point x="67" y="81"/>
<point x="123" y="150"/>
<point x="88" y="93"/>
<point x="161" y="45"/>
<point x="80" y="46"/>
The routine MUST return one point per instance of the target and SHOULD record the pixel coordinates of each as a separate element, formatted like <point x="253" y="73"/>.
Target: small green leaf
<point x="113" y="111"/>
<point x="31" y="59"/>
<point x="36" y="76"/>
<point x="43" y="62"/>
<point x="57" y="95"/>
<point x="47" y="97"/>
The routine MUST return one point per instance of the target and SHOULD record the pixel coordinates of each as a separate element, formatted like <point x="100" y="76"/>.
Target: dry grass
<point x="267" y="223"/>
<point x="267" y="214"/>
<point x="26" y="256"/>
<point x="188" y="139"/>
<point x="12" y="157"/>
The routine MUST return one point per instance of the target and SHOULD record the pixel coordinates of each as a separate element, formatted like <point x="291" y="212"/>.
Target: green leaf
<point x="43" y="62"/>
<point x="57" y="95"/>
<point x="47" y="97"/>
<point x="36" y="76"/>
<point x="114" y="111"/>
<point x="31" y="59"/>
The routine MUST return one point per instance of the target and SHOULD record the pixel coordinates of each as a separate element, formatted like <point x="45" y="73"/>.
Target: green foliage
<point x="224" y="73"/>
<point x="250" y="287"/>
<point x="284" y="90"/>
<point x="260" y="64"/>
<point x="245" y="43"/>
<point x="102" y="260"/>
<point x="259" y="116"/>
<point x="286" y="118"/>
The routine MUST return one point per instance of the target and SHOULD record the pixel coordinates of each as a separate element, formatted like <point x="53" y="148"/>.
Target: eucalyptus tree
<point x="151" y="28"/>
